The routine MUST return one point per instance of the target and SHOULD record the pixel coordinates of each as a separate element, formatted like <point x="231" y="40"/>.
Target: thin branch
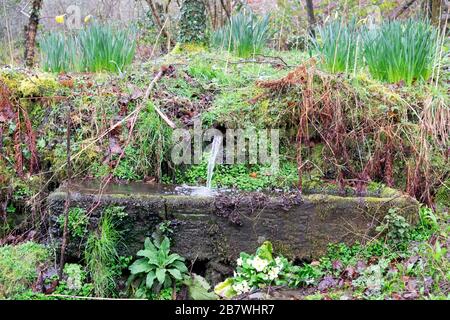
<point x="67" y="202"/>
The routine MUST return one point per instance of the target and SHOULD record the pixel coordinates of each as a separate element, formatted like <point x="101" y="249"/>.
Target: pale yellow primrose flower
<point x="259" y="264"/>
<point x="278" y="262"/>
<point x="241" y="287"/>
<point x="273" y="273"/>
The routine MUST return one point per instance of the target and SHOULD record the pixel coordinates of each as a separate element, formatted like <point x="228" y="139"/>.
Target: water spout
<point x="215" y="149"/>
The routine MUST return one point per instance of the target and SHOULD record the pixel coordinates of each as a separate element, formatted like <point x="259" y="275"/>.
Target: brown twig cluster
<point x="365" y="134"/>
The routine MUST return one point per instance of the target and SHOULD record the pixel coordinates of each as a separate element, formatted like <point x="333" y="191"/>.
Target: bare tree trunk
<point x="436" y="11"/>
<point x="157" y="20"/>
<point x="400" y="10"/>
<point x="311" y="18"/>
<point x="224" y="6"/>
<point x="31" y="31"/>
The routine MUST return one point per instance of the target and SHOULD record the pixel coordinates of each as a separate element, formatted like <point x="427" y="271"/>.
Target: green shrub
<point x="18" y="266"/>
<point x="401" y="51"/>
<point x="96" y="48"/>
<point x="74" y="282"/>
<point x="395" y="226"/>
<point x="245" y="34"/>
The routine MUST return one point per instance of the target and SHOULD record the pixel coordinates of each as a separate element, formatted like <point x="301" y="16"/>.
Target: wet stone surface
<point x="217" y="226"/>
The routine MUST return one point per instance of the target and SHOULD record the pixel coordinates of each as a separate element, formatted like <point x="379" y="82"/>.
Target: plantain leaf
<point x="160" y="275"/>
<point x="140" y="265"/>
<point x="150" y="279"/>
<point x="175" y="273"/>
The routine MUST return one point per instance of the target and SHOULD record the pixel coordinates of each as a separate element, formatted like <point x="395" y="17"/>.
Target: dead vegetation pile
<point x="368" y="131"/>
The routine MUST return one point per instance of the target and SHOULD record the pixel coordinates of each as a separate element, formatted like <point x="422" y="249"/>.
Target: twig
<point x="147" y="95"/>
<point x="133" y="122"/>
<point x="225" y="9"/>
<point x="67" y="202"/>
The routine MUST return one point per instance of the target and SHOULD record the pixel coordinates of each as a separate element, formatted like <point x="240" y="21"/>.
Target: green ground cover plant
<point x="18" y="267"/>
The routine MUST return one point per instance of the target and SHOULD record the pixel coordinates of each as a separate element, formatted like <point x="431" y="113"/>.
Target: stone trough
<point x="217" y="227"/>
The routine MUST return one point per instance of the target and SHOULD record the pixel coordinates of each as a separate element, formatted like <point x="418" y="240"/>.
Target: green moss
<point x="36" y="86"/>
<point x="443" y="194"/>
<point x="188" y="48"/>
<point x="18" y="265"/>
<point x="12" y="79"/>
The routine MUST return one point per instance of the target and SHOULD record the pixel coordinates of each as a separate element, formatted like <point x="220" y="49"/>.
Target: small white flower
<point x="278" y="262"/>
<point x="259" y="264"/>
<point x="241" y="288"/>
<point x="273" y="273"/>
<point x="239" y="262"/>
<point x="245" y="286"/>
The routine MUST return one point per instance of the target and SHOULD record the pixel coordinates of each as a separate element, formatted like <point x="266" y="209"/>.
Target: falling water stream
<point x="215" y="148"/>
<point x="206" y="190"/>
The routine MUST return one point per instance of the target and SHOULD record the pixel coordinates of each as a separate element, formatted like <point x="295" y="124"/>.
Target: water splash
<point x="215" y="148"/>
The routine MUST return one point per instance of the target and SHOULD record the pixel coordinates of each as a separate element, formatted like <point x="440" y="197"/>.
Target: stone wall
<point x="217" y="228"/>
